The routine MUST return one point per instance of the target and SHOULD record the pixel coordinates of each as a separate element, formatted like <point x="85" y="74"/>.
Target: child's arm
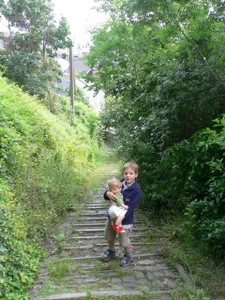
<point x="124" y="206"/>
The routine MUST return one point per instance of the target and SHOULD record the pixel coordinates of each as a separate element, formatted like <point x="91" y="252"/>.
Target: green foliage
<point x="206" y="185"/>
<point x="160" y="68"/>
<point x="160" y="65"/>
<point x="167" y="175"/>
<point x="189" y="178"/>
<point x="19" y="256"/>
<point x="30" y="46"/>
<point x="46" y="165"/>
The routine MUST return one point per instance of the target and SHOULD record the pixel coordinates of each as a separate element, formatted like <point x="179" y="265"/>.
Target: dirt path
<point x="75" y="271"/>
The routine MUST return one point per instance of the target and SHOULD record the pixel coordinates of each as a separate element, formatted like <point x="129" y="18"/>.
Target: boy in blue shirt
<point x="131" y="192"/>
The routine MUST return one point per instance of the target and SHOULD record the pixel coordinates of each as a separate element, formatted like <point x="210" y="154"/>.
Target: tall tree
<point x="31" y="44"/>
<point x="158" y="59"/>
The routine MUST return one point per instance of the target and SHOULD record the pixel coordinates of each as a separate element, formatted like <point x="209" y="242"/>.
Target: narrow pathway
<point x="75" y="270"/>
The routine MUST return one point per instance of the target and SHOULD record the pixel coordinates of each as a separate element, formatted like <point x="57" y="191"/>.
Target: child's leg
<point x="118" y="224"/>
<point x="124" y="241"/>
<point x="118" y="221"/>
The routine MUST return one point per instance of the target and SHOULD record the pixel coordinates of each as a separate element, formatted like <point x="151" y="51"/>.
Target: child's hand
<point x="111" y="196"/>
<point x="126" y="207"/>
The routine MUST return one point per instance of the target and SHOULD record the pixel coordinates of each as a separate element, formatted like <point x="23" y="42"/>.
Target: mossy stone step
<point x="79" y="272"/>
<point x="136" y="257"/>
<point x="157" y="295"/>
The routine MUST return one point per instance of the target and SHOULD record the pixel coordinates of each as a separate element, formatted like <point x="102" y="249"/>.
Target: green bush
<point x="189" y="179"/>
<point x="19" y="256"/>
<point x="206" y="185"/>
<point x="163" y="178"/>
<point x="45" y="166"/>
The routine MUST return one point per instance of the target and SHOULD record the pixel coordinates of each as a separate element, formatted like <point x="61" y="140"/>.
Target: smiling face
<point x="129" y="175"/>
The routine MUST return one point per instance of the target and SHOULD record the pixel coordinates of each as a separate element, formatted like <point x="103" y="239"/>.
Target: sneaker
<point x="125" y="260"/>
<point x="107" y="254"/>
<point x="118" y="228"/>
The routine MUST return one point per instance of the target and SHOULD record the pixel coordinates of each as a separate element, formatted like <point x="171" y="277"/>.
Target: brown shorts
<point x="110" y="235"/>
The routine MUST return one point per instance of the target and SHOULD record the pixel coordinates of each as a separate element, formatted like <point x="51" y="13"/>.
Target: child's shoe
<point x="107" y="254"/>
<point x="118" y="228"/>
<point x="126" y="260"/>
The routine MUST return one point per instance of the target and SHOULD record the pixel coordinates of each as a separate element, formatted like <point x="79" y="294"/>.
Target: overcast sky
<point x="81" y="16"/>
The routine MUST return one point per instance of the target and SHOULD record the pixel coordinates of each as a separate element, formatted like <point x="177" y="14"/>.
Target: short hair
<point x="131" y="165"/>
<point x="114" y="182"/>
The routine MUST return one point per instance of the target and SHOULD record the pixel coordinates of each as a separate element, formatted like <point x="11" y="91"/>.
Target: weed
<point x="103" y="270"/>
<point x="58" y="269"/>
<point x="47" y="289"/>
<point x="148" y="237"/>
<point x="58" y="240"/>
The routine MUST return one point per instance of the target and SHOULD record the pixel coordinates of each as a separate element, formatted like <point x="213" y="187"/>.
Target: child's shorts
<point x="116" y="211"/>
<point x="110" y="235"/>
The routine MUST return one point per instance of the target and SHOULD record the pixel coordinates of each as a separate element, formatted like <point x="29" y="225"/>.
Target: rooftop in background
<point x="96" y="101"/>
<point x="79" y="64"/>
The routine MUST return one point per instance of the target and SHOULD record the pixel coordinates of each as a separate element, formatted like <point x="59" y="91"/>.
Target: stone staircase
<point x="74" y="270"/>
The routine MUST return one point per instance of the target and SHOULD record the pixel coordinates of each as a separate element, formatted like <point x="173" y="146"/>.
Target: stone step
<point x="90" y="213"/>
<point x="93" y="245"/>
<point x="133" y="235"/>
<point x="86" y="250"/>
<point x="157" y="295"/>
<point x="87" y="277"/>
<point x="99" y="208"/>
<point x="96" y="230"/>
<point x="153" y="282"/>
<point x="93" y="240"/>
<point x="95" y="252"/>
<point x="143" y="263"/>
<point x="94" y="211"/>
<point x="154" y="271"/>
<point x="136" y="257"/>
<point x="101" y="224"/>
<point x="102" y="218"/>
<point x="95" y="206"/>
<point x="91" y="222"/>
<point x="100" y="221"/>
<point x="134" y="244"/>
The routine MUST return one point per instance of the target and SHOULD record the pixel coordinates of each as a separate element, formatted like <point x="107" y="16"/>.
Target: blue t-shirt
<point x="131" y="198"/>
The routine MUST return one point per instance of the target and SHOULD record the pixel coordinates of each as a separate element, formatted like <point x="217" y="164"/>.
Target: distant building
<point x="96" y="101"/>
<point x="79" y="66"/>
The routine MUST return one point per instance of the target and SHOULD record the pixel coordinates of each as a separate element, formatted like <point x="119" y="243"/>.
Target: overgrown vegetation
<point x="206" y="276"/>
<point x="160" y="64"/>
<point x="45" y="165"/>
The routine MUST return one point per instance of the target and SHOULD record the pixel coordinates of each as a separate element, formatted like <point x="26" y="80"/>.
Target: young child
<point x="117" y="209"/>
<point x="131" y="192"/>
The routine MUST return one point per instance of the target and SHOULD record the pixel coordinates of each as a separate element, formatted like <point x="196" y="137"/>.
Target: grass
<point x="107" y="160"/>
<point x="59" y="269"/>
<point x="100" y="270"/>
<point x="207" y="275"/>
